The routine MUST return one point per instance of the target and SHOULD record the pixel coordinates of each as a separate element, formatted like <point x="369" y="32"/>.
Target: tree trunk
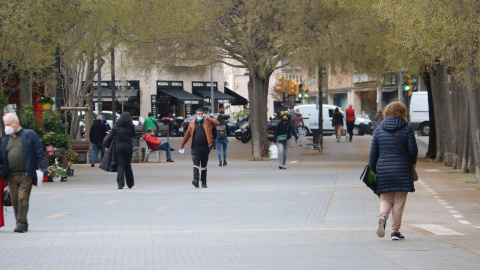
<point x="437" y="108"/>
<point x="458" y="124"/>
<point x="474" y="128"/>
<point x="25" y="90"/>
<point x="466" y="141"/>
<point x="432" y="137"/>
<point x="257" y="93"/>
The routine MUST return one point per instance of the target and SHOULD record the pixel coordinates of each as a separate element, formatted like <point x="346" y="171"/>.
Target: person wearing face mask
<point x="282" y="137"/>
<point x="200" y="133"/>
<point x="151" y="139"/>
<point x="21" y="153"/>
<point x="298" y="125"/>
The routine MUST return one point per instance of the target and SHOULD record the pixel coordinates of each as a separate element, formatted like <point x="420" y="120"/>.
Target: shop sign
<point x="170" y="84"/>
<point x="204" y="85"/>
<point x="191" y="101"/>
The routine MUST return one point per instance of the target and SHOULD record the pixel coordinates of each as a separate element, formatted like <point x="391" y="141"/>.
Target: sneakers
<point x="282" y="167"/>
<point x="204" y="185"/>
<point x="195" y="183"/>
<point x="169" y="160"/>
<point x="381" y="226"/>
<point x="397" y="236"/>
<point x="172" y="149"/>
<point x="20" y="229"/>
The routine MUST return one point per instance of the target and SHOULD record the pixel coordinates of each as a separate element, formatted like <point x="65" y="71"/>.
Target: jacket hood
<point x="392" y="123"/>
<point x="124" y="120"/>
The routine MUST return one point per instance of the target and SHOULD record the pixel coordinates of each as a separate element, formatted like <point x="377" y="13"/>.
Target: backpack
<point x="221" y="132"/>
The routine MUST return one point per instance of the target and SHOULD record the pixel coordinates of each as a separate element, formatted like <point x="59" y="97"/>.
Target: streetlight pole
<point x="212" y="99"/>
<point x="114" y="87"/>
<point x="99" y="80"/>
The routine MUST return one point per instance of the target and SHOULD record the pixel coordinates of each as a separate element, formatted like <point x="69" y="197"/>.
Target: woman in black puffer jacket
<point x="124" y="131"/>
<point x="394" y="170"/>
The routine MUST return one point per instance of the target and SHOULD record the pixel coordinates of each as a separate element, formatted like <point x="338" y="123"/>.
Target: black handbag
<point x="369" y="177"/>
<point x="109" y="161"/>
<point x="6" y="199"/>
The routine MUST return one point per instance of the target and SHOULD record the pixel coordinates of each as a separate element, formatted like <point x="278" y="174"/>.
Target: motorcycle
<point x="246" y="134"/>
<point x="272" y="129"/>
<point x="241" y="128"/>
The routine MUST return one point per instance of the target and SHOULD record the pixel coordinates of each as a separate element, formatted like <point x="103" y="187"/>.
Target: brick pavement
<point x="315" y="215"/>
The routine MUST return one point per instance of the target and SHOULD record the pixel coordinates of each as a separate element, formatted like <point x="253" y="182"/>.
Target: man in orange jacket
<point x="200" y="132"/>
<point x="151" y="139"/>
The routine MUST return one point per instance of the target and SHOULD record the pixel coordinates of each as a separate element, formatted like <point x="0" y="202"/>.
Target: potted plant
<point x="46" y="102"/>
<point x="70" y="157"/>
<point x="57" y="140"/>
<point x="56" y="173"/>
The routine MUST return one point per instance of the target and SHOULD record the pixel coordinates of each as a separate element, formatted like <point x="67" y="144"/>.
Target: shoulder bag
<point x="415" y="175"/>
<point x="282" y="138"/>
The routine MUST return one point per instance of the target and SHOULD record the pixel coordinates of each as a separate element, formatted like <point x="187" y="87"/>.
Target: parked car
<point x="310" y="119"/>
<point x="108" y="115"/>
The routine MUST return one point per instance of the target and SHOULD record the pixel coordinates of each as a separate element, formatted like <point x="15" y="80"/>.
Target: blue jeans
<point x="96" y="149"/>
<point x="299" y="133"/>
<point x="165" y="146"/>
<point x="282" y="152"/>
<point x="220" y="143"/>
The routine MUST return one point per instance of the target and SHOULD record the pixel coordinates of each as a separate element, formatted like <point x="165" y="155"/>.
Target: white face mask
<point x="9" y="130"/>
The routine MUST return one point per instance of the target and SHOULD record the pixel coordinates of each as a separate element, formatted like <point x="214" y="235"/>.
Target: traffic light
<point x="290" y="90"/>
<point x="307" y="92"/>
<point x="281" y="84"/>
<point x="407" y="83"/>
<point x="296" y="87"/>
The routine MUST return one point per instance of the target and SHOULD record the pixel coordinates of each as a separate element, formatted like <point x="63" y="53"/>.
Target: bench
<point x="164" y="129"/>
<point x="82" y="147"/>
<point x="149" y="151"/>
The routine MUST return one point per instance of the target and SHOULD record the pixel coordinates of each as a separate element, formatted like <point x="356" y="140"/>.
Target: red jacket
<point x="151" y="141"/>
<point x="350" y="115"/>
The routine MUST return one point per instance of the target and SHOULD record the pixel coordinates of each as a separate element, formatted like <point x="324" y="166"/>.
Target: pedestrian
<point x="21" y="155"/>
<point x="123" y="132"/>
<point x="393" y="167"/>
<point x="298" y="125"/>
<point x="200" y="133"/>
<point x="106" y="123"/>
<point x="337" y="123"/>
<point x="214" y="135"/>
<point x="151" y="139"/>
<point x="150" y="122"/>
<point x="282" y="138"/>
<point x="350" y="117"/>
<point x="378" y="117"/>
<point x="2" y="187"/>
<point x="222" y="140"/>
<point x="98" y="131"/>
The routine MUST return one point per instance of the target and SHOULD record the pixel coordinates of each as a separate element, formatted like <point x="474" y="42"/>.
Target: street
<point x="317" y="214"/>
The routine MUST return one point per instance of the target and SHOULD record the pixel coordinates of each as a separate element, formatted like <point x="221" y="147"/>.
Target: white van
<point x="310" y="119"/>
<point x="419" y="117"/>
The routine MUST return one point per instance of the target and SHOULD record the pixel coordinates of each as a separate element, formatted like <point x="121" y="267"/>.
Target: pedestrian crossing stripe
<point x="437" y="229"/>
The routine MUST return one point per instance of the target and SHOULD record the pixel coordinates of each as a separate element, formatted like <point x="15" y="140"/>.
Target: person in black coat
<point x="284" y="127"/>
<point x="394" y="169"/>
<point x="98" y="131"/>
<point x="124" y="131"/>
<point x="337" y="123"/>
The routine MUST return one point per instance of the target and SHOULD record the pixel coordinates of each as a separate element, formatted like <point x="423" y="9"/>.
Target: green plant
<point x="52" y="122"/>
<point x="54" y="171"/>
<point x="239" y="115"/>
<point x="27" y="120"/>
<point x="46" y="100"/>
<point x="57" y="140"/>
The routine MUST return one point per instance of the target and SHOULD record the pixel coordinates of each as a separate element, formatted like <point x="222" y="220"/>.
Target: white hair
<point x="100" y="117"/>
<point x="11" y="116"/>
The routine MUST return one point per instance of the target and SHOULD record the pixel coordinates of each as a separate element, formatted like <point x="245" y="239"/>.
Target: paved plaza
<point x="317" y="214"/>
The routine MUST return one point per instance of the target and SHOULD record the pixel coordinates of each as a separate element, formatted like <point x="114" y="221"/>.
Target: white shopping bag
<point x="273" y="152"/>
<point x="39" y="178"/>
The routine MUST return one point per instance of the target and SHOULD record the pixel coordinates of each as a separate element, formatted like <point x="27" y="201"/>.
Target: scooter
<point x="241" y="128"/>
<point x="272" y="129"/>
<point x="246" y="134"/>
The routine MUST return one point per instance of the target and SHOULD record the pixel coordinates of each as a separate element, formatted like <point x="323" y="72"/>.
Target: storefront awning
<point x="239" y="99"/>
<point x="183" y="96"/>
<point x="219" y="96"/>
<point x="129" y="96"/>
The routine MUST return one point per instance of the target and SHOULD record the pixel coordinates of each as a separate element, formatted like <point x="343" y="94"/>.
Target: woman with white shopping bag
<point x="282" y="138"/>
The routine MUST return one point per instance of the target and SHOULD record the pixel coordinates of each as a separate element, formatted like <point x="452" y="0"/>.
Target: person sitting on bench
<point x="151" y="139"/>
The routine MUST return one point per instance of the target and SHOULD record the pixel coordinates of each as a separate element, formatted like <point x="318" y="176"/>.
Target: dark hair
<point x="125" y="120"/>
<point x="221" y="120"/>
<point x="150" y="114"/>
<point x="199" y="110"/>
<point x="288" y="117"/>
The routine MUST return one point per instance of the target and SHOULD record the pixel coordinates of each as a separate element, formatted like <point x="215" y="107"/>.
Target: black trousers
<point x="200" y="161"/>
<point x="124" y="165"/>
<point x="350" y="125"/>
